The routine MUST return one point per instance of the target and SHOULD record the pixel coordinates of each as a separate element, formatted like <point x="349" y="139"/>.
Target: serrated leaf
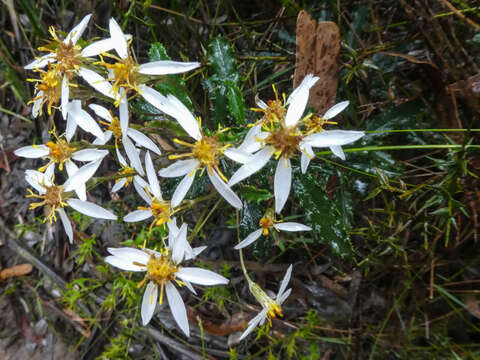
<point x="236" y="103"/>
<point x="157" y="52"/>
<point x="252" y="193"/>
<point x="322" y="214"/>
<point x="221" y="57"/>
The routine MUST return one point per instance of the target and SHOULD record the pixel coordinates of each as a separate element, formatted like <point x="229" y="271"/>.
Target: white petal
<point x="91" y="209"/>
<point x="84" y="120"/>
<point x="335" y="110"/>
<point x="65" y="97"/>
<point x="98" y="47"/>
<point x="82" y="175"/>
<point x="129" y="255"/>
<point x="184" y="117"/>
<point x="252" y="237"/>
<point x="260" y="103"/>
<point x="143" y="140"/>
<point x="107" y="135"/>
<point x="238" y="155"/>
<point x="119" y="184"/>
<point x="32" y="151"/>
<point x="70" y="128"/>
<point x="258" y="161"/>
<point x="172" y="232"/>
<point x="149" y="302"/>
<point x="179" y="168"/>
<point x="179" y="244"/>
<point x="333" y="137"/>
<point x="123" y="111"/>
<point x="78" y="30"/>
<point x="152" y="177"/>
<point x="137" y="215"/>
<point x="49" y="171"/>
<point x="252" y="324"/>
<point x="250" y="142"/>
<point x="124" y="264"/>
<point x="101" y="112"/>
<point x="41" y="61"/>
<point x="285" y="281"/>
<point x="141" y="191"/>
<point x="153" y="97"/>
<point x="121" y="159"/>
<point x="97" y="82"/>
<point x="338" y="151"/>
<point x="177" y="307"/>
<point x="190" y="287"/>
<point x="196" y="251"/>
<point x="36" y="180"/>
<point x="182" y="189"/>
<point x="291" y="226"/>
<point x="201" y="276"/>
<point x="37" y="104"/>
<point x="118" y="37"/>
<point x="307" y="155"/>
<point x="298" y="100"/>
<point x="165" y="67"/>
<point x="133" y="156"/>
<point x="66" y="224"/>
<point x="224" y="190"/>
<point x="282" y="183"/>
<point x="89" y="154"/>
<point x="281" y="299"/>
<point x="80" y="190"/>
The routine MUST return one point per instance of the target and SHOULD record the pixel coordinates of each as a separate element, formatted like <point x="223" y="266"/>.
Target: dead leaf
<point x="236" y="323"/>
<point x="15" y="271"/>
<point x="318" y="48"/>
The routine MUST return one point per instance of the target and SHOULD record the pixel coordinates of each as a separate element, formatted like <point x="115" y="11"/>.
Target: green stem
<point x="403" y="147"/>
<point x="419" y="130"/>
<point x="242" y="262"/>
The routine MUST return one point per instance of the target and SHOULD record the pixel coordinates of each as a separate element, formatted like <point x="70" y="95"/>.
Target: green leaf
<point x="221" y="57"/>
<point x="157" y="52"/>
<point x="322" y="214"/>
<point x="236" y="103"/>
<point x="252" y="193"/>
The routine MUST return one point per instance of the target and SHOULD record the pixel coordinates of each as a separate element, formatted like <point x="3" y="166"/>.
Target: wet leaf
<point x="322" y="214"/>
<point x="252" y="193"/>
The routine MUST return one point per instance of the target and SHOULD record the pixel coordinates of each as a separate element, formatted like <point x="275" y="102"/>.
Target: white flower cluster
<point x="108" y="67"/>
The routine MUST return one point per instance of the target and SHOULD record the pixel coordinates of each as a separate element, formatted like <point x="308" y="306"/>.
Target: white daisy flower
<point x="56" y="197"/>
<point x="284" y="138"/>
<point x="160" y="209"/>
<point x="118" y="129"/>
<point x="205" y="154"/>
<point x="270" y="307"/>
<point x="65" y="59"/>
<point x="126" y="74"/>
<point x="163" y="270"/>
<point x="129" y="175"/>
<point x="266" y="224"/>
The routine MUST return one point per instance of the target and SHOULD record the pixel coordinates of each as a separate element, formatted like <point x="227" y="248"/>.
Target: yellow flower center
<point x="207" y="151"/>
<point x="128" y="174"/>
<point x="315" y="124"/>
<point x="67" y="55"/>
<point x="285" y="141"/>
<point x="124" y="73"/>
<point x="59" y="152"/>
<point x="50" y="85"/>
<point x="161" y="212"/>
<point x="160" y="270"/>
<point x="266" y="223"/>
<point x="273" y="306"/>
<point x="53" y="198"/>
<point x="114" y="127"/>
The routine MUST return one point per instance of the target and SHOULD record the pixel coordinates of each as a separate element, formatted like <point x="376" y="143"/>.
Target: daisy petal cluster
<point x="92" y="87"/>
<point x="164" y="271"/>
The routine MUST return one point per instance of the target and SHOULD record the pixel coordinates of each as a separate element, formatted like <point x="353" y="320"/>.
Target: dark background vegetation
<point x="392" y="269"/>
